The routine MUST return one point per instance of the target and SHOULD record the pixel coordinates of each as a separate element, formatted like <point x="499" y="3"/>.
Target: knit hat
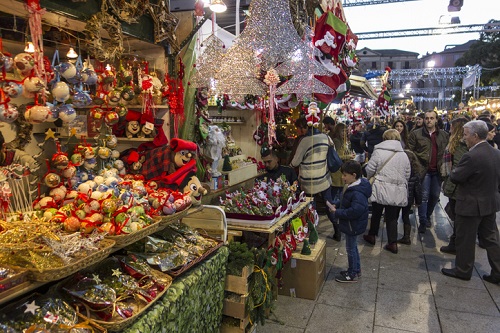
<point x="178" y="144"/>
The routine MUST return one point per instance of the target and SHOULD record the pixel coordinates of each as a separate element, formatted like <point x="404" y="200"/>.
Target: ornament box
<point x="303" y="276"/>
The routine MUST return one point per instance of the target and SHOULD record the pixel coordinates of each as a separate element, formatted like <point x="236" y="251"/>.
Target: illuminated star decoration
<point x="31" y="307"/>
<point x="72" y="131"/>
<point x="116" y="272"/>
<point x="50" y="134"/>
<point x="96" y="278"/>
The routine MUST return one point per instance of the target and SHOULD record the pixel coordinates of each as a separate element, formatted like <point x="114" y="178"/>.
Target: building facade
<point x="424" y="90"/>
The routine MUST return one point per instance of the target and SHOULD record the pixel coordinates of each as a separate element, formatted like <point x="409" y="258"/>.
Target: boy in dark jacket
<point x="353" y="216"/>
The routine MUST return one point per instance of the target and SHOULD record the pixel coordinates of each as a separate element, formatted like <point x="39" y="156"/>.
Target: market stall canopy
<point x="360" y="87"/>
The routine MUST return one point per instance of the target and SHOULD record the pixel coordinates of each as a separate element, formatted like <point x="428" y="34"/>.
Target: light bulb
<point x="218" y="6"/>
<point x="71" y="53"/>
<point x="29" y="48"/>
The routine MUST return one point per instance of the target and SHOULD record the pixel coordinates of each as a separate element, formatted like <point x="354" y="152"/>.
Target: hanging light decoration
<point x="270" y="31"/>
<point x="208" y="63"/>
<point x="29" y="48"/>
<point x="218" y="6"/>
<point x="72" y="54"/>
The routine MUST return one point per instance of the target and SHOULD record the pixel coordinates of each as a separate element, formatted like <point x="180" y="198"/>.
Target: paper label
<point x="293" y="263"/>
<point x="149" y="126"/>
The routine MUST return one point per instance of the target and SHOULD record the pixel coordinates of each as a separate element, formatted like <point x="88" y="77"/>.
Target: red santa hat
<point x="178" y="144"/>
<point x="178" y="176"/>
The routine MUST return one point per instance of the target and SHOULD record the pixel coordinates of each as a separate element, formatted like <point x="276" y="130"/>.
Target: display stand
<point x="248" y="225"/>
<point x="193" y="303"/>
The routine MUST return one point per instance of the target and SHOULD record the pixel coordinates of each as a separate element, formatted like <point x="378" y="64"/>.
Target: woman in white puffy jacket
<point x="390" y="167"/>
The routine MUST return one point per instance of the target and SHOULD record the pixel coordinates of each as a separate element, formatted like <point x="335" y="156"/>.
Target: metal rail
<point x="354" y="3"/>
<point x="455" y="29"/>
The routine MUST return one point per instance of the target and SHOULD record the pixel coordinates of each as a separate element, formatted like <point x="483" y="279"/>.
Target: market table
<point x="277" y="226"/>
<point x="193" y="303"/>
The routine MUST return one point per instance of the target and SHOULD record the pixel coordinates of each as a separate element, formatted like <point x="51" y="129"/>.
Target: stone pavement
<point x="403" y="292"/>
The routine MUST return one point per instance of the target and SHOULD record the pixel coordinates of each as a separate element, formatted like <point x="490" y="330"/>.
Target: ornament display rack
<point x="218" y="229"/>
<point x="238" y="226"/>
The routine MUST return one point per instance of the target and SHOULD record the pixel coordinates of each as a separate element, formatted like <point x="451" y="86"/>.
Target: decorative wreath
<point x="129" y="11"/>
<point x="113" y="47"/>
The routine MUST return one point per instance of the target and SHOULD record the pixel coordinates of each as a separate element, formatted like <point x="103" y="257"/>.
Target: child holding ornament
<point x="352" y="213"/>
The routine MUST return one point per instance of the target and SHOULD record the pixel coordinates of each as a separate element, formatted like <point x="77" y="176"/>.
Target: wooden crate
<point x="239" y="284"/>
<point x="235" y="309"/>
<point x="245" y="327"/>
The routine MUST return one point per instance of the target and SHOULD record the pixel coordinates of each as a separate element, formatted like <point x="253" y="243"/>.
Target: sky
<point x="418" y="14"/>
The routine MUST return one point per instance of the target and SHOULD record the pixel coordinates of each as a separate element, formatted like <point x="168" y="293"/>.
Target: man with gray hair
<point x="477" y="176"/>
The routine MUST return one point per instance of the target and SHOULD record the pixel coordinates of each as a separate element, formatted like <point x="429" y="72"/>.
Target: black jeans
<point x="391" y="215"/>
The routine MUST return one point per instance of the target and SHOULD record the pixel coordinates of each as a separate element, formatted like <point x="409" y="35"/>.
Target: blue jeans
<point x="351" y="247"/>
<point x="431" y="188"/>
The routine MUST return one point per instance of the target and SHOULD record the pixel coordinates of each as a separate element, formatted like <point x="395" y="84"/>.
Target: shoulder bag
<point x="333" y="160"/>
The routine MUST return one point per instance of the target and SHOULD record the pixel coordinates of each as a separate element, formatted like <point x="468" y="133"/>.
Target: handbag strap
<point x="385" y="163"/>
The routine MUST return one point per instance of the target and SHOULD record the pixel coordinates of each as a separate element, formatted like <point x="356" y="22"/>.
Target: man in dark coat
<point x="477" y="176"/>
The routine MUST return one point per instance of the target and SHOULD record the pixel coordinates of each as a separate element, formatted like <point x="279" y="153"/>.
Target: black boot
<point x="406" y="237"/>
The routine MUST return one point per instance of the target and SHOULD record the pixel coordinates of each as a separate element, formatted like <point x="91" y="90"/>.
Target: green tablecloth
<point x="193" y="302"/>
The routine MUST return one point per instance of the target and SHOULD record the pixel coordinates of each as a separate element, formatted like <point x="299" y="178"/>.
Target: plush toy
<point x="184" y="180"/>
<point x="313" y="114"/>
<point x="135" y="162"/>
<point x="147" y="131"/>
<point x="166" y="160"/>
<point x="133" y="128"/>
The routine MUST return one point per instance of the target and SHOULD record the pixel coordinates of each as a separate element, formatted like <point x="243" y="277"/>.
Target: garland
<point x="113" y="47"/>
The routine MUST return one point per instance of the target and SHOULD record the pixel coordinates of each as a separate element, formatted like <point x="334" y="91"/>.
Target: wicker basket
<point x="118" y="326"/>
<point x="124" y="240"/>
<point x="105" y="247"/>
<point x="96" y="327"/>
<point x="167" y="219"/>
<point x="179" y="271"/>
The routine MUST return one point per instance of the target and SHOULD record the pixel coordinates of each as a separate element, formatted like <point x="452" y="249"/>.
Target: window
<point x="407" y="65"/>
<point x="374" y="64"/>
<point x="390" y="64"/>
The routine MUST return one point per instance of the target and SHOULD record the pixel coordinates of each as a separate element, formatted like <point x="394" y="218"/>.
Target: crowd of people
<point x="401" y="168"/>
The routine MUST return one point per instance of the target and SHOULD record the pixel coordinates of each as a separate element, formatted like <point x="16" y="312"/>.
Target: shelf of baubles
<point x="36" y="284"/>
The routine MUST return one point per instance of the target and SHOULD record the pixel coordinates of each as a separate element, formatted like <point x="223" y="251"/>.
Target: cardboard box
<point x="303" y="276"/>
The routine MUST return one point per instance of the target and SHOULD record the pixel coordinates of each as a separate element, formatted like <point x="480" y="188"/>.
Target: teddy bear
<point x="312" y="115"/>
<point x="133" y="128"/>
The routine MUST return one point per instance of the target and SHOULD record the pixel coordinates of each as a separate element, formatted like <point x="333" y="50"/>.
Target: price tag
<point x="149" y="126"/>
<point x="293" y="263"/>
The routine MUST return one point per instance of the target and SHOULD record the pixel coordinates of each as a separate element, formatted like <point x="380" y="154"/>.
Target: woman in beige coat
<point x="390" y="167"/>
